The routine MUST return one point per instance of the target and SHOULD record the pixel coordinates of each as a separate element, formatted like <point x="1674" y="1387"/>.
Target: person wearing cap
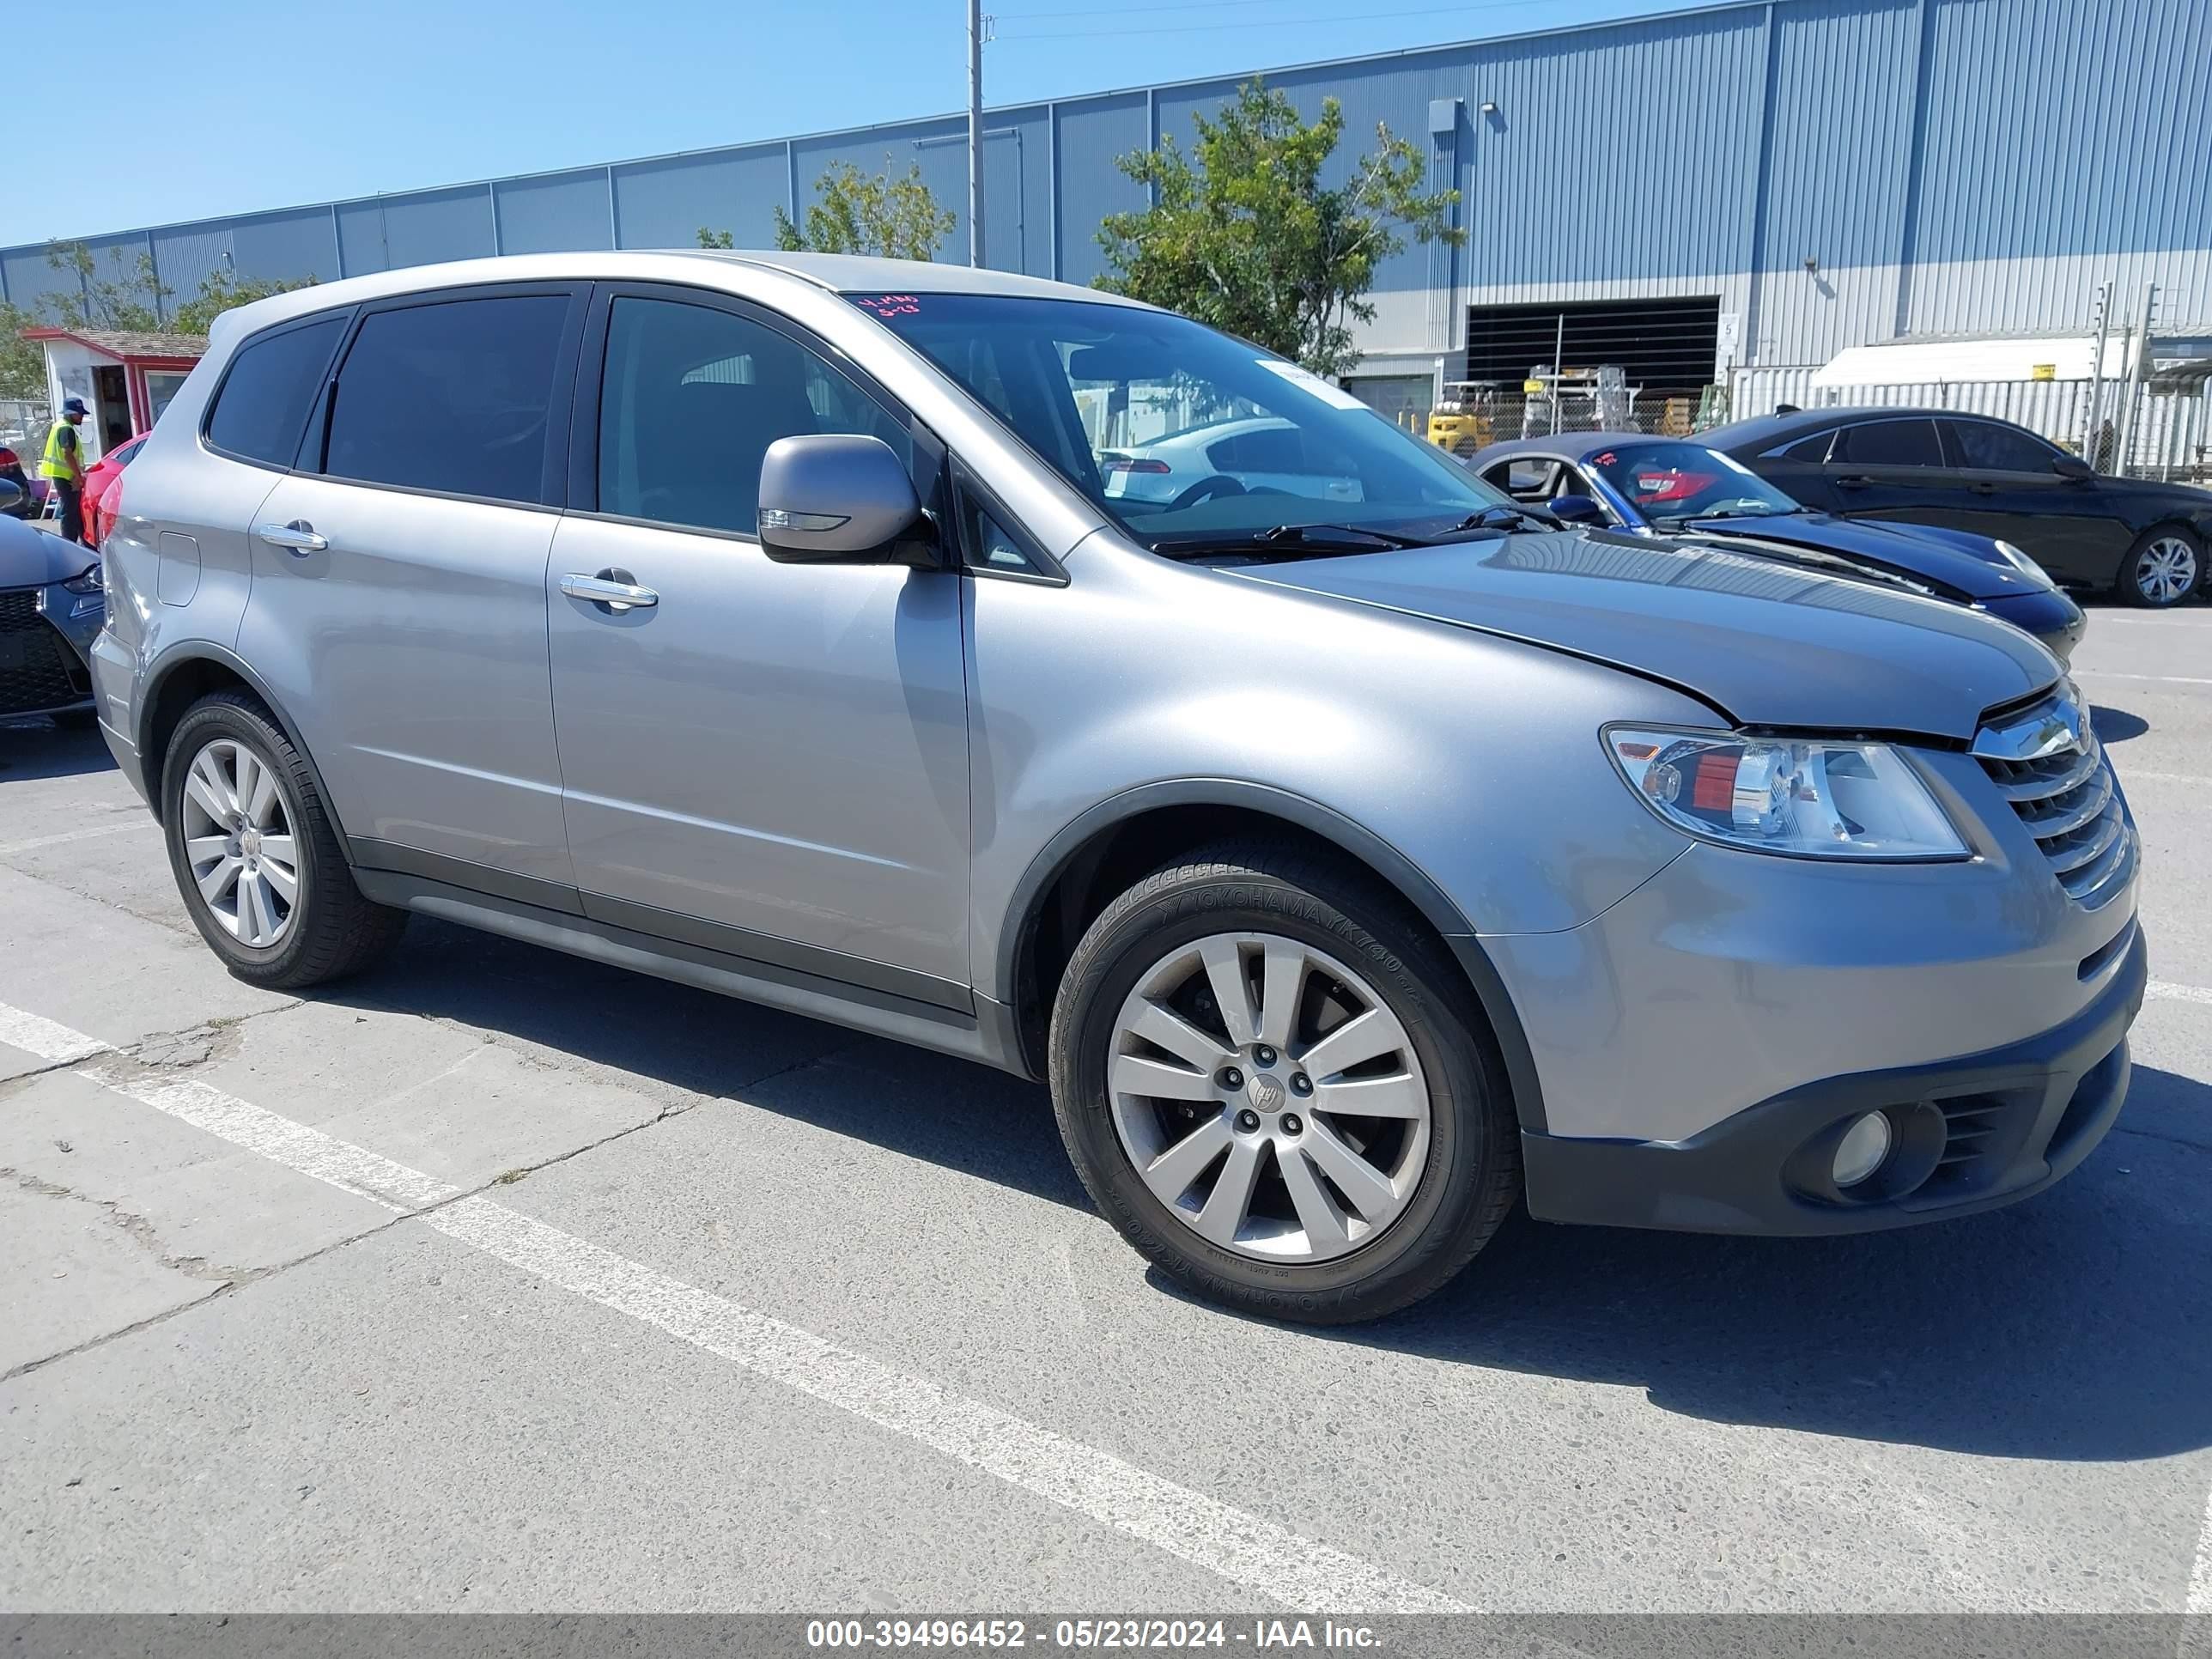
<point x="63" y="467"/>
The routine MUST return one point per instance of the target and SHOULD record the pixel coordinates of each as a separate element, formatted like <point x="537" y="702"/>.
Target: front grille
<point x="1981" y="1134"/>
<point x="38" y="670"/>
<point x="2069" y="803"/>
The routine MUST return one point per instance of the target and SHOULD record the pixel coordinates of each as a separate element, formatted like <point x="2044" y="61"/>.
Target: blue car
<point x="51" y="606"/>
<point x="1673" y="487"/>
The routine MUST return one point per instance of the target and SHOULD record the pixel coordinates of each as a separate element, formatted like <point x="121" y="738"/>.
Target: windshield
<point x="1179" y="433"/>
<point x="1666" y="482"/>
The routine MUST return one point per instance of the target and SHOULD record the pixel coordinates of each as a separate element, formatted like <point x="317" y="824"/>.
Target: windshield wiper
<point x="1503" y="518"/>
<point x="1285" y="541"/>
<point x="1740" y="513"/>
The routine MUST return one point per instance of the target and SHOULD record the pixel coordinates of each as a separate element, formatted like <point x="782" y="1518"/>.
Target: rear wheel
<point x="1269" y="1080"/>
<point x="256" y="854"/>
<point x="2162" y="569"/>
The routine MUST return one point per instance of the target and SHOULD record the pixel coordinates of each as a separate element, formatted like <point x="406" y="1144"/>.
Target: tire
<point x="1249" y="904"/>
<point x="325" y="929"/>
<point x="2164" y="568"/>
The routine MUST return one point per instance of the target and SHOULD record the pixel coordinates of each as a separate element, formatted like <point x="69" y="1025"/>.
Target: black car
<point x="2145" y="540"/>
<point x="1673" y="487"/>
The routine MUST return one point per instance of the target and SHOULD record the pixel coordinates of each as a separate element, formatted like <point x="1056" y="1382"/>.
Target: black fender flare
<point x="1412" y="882"/>
<point x="183" y="654"/>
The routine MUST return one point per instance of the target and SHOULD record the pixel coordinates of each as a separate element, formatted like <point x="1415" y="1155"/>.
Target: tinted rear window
<point x="455" y="397"/>
<point x="263" y="405"/>
<point x="1890" y="443"/>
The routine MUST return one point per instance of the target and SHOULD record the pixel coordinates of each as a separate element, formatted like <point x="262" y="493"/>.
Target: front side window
<point x="1668" y="482"/>
<point x="1984" y="446"/>
<point x="455" y="397"/>
<point x="692" y="397"/>
<point x="1248" y="441"/>
<point x="262" y="407"/>
<point x="1889" y="443"/>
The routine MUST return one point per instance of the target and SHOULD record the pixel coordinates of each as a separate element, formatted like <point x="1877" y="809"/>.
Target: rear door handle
<point x="299" y="536"/>
<point x="612" y="588"/>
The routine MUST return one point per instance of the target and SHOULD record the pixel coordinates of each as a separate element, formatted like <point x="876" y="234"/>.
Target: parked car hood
<point x="32" y="558"/>
<point x="1948" y="559"/>
<point x="1767" y="642"/>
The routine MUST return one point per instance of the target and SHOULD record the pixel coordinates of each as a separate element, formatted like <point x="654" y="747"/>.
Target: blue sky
<point x="273" y="102"/>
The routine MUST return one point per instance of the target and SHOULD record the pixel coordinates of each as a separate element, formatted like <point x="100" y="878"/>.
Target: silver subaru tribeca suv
<point x="1353" y="854"/>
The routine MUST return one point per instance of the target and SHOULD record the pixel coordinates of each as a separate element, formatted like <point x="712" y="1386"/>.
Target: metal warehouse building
<point x="1746" y="186"/>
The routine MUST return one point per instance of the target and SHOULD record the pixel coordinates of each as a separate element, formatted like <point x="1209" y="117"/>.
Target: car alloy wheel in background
<point x="1268" y="1098"/>
<point x="2163" y="569"/>
<point x="239" y="843"/>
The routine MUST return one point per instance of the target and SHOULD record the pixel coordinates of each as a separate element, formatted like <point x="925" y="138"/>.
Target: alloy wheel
<point x="1268" y="1098"/>
<point x="2166" y="570"/>
<point x="239" y="842"/>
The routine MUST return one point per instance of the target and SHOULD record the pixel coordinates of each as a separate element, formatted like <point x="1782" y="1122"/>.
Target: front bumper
<point x="2055" y="620"/>
<point x="45" y="651"/>
<point x="1971" y="1133"/>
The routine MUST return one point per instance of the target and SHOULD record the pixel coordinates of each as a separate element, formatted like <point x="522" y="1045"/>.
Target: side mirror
<point x="841" y="499"/>
<point x="9" y="495"/>
<point x="2073" y="466"/>
<point x="1577" y="509"/>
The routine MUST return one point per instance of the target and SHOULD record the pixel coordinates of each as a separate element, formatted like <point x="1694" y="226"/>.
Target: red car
<point x="99" y="494"/>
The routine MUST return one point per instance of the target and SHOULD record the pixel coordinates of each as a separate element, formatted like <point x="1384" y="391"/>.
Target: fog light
<point x="1862" y="1150"/>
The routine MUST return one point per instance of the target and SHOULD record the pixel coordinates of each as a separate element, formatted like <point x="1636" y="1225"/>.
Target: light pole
<point x="975" y="27"/>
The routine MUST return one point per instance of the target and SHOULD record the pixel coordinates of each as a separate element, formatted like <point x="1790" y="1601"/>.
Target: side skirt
<point x="986" y="1036"/>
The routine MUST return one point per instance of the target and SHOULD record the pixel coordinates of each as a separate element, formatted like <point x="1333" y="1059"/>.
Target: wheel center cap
<point x="249" y="843"/>
<point x="1264" y="1093"/>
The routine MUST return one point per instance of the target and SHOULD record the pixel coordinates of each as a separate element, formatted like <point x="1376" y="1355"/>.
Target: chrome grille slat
<point x="2092" y="798"/>
<point x="2064" y="857"/>
<point x="2034" y="780"/>
<point x="2069" y="800"/>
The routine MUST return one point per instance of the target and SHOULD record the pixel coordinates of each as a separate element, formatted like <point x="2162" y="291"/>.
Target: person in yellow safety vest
<point x="63" y="467"/>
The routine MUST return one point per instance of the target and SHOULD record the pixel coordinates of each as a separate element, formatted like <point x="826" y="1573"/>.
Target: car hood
<point x="32" y="558"/>
<point x="1766" y="641"/>
<point x="1945" y="558"/>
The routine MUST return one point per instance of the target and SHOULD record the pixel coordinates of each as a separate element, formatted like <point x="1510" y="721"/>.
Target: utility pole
<point x="977" y="24"/>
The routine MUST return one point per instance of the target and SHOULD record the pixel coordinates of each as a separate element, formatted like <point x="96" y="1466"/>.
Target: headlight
<point x="89" y="586"/>
<point x="1805" y="797"/>
<point x="2027" y="567"/>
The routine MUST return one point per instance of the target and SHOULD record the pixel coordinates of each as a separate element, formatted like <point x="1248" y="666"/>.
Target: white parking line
<point x="2154" y="679"/>
<point x="136" y="821"/>
<point x="1240" y="1546"/>
<point x="2195" y="1641"/>
<point x="2173" y="993"/>
<point x="44" y="1039"/>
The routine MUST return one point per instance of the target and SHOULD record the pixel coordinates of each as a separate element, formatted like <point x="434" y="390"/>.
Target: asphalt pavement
<point x="495" y="1280"/>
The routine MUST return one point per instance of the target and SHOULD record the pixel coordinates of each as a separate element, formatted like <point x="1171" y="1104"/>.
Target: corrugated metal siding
<point x="2058" y="131"/>
<point x="1094" y="132"/>
<point x="1844" y="75"/>
<point x="549" y="214"/>
<point x="664" y="204"/>
<point x="1952" y="166"/>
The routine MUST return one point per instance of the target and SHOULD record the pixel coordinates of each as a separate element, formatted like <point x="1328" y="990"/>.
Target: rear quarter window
<point x="261" y="408"/>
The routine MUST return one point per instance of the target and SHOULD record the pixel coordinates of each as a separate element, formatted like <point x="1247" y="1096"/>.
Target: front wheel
<point x="1271" y="1081"/>
<point x="2162" y="569"/>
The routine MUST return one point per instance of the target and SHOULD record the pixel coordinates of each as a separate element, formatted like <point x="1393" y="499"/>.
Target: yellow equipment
<point x="1465" y="420"/>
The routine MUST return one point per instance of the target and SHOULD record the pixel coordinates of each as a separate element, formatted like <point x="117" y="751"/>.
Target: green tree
<point x="98" y="302"/>
<point x="895" y="218"/>
<point x="22" y="365"/>
<point x="223" y="290"/>
<point x="717" y="239"/>
<point x="1242" y="235"/>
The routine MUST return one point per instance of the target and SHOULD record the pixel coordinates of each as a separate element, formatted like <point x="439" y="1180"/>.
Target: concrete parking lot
<point x="499" y="1280"/>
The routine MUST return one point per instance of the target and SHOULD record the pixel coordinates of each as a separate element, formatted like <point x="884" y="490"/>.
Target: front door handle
<point x="1856" y="481"/>
<point x="298" y="537"/>
<point x="614" y="589"/>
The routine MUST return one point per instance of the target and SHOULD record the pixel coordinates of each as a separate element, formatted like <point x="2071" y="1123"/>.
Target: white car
<point x="1262" y="454"/>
